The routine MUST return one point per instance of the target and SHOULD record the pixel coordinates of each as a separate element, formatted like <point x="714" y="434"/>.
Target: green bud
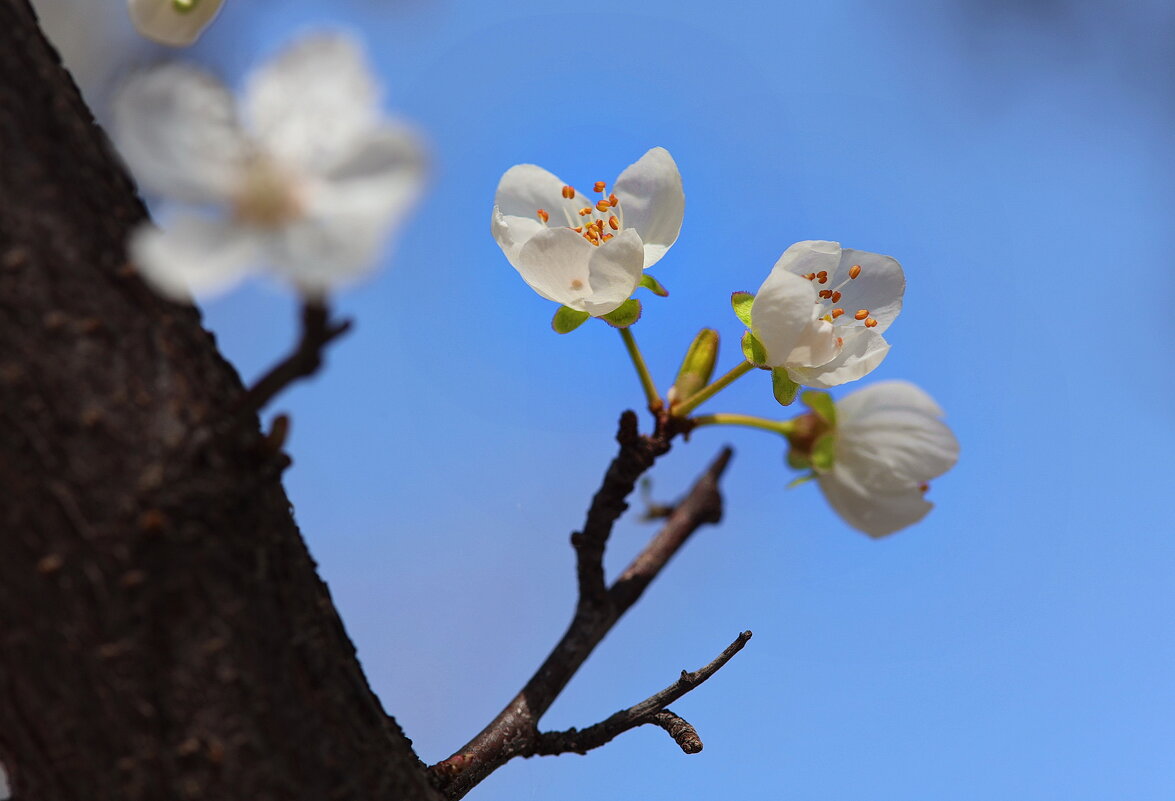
<point x="697" y="367"/>
<point x="624" y="315"/>
<point x="567" y="320"/>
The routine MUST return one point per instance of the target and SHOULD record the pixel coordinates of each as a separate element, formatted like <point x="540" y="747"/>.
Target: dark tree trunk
<point x="163" y="633"/>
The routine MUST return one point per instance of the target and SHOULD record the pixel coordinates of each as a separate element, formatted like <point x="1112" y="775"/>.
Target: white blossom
<point x="821" y="312"/>
<point x="173" y="22"/>
<point x="310" y="179"/>
<point x="584" y="250"/>
<point x="889" y="443"/>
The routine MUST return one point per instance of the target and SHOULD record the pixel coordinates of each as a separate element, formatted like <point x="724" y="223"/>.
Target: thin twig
<point x="514" y="732"/>
<point x="651" y="710"/>
<point x="317" y="332"/>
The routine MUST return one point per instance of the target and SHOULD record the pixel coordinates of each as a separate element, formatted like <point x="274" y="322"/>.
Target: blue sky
<point x="1016" y="158"/>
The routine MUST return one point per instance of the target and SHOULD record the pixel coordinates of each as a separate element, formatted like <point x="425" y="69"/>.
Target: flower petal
<point x="875" y="514"/>
<point x="352" y="211"/>
<point x="162" y="20"/>
<point x="878" y="287"/>
<point x="192" y="255"/>
<point x="810" y="256"/>
<point x="862" y="351"/>
<point x="562" y="266"/>
<point x="886" y="395"/>
<point x="178" y="133"/>
<point x="313" y="102"/>
<point x="652" y="201"/>
<point x="782" y="313"/>
<point x="526" y="188"/>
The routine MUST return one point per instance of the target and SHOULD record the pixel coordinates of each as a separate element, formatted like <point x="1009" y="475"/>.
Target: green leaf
<point x="741" y="303"/>
<point x="822" y="455"/>
<point x="797" y="460"/>
<point x="753" y="350"/>
<point x="822" y="404"/>
<point x="784" y="388"/>
<point x="653" y="285"/>
<point x="567" y="320"/>
<point x="624" y="315"/>
<point x="798" y="480"/>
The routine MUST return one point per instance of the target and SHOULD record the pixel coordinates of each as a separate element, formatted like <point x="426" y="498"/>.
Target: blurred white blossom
<point x="821" y="312"/>
<point x="309" y="182"/>
<point x="172" y="22"/>
<point x="889" y="443"/>
<point x="588" y="251"/>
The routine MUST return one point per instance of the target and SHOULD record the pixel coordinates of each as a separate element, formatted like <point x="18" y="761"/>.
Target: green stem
<point x="783" y="427"/>
<point x="705" y="393"/>
<point x="642" y="371"/>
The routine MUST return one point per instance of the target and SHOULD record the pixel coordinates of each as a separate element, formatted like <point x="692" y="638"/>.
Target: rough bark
<point x="163" y="633"/>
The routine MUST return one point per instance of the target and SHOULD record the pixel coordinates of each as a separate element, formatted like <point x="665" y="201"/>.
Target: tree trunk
<point x="163" y="633"/>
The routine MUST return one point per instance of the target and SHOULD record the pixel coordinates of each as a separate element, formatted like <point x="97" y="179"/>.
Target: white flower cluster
<point x="309" y="178"/>
<point x="818" y="320"/>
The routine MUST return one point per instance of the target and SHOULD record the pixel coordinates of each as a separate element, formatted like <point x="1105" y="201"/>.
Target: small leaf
<point x="753" y="350"/>
<point x="653" y="285"/>
<point x="798" y="480"/>
<point x="623" y="315"/>
<point x="741" y="303"/>
<point x="784" y="388"/>
<point x="567" y="320"/>
<point x="821" y="403"/>
<point x="823" y="455"/>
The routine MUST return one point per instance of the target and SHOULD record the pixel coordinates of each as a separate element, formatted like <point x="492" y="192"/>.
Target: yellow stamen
<point x="585" y="211"/>
<point x="599" y="186"/>
<point x="602" y="206"/>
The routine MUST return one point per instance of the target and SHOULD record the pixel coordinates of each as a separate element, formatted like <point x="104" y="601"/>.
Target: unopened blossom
<point x="588" y="249"/>
<point x="890" y="441"/>
<point x="309" y="179"/>
<point x="822" y="311"/>
<point x="173" y="22"/>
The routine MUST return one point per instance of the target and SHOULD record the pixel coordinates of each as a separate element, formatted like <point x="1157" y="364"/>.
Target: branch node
<point x="685" y="735"/>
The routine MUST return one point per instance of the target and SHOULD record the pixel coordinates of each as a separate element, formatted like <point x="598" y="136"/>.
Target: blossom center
<point x="834" y="300"/>
<point x="267" y="195"/>
<point x="596" y="222"/>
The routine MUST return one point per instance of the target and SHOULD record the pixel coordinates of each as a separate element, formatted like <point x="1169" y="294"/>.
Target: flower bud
<point x="172" y="22"/>
<point x="697" y="367"/>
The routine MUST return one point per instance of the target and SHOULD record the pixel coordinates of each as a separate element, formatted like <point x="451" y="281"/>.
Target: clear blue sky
<point x="1015" y="157"/>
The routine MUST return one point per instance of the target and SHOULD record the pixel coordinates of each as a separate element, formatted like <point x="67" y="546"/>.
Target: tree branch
<point x="651" y="710"/>
<point x="514" y="732"/>
<point x="317" y="332"/>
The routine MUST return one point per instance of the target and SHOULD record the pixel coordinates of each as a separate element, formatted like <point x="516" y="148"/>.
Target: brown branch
<point x="651" y="710"/>
<point x="514" y="732"/>
<point x="317" y="332"/>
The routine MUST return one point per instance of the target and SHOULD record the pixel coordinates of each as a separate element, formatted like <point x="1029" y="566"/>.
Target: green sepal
<point x="653" y="285"/>
<point x="797" y="460"/>
<point x="184" y="6"/>
<point x="753" y="350"/>
<point x="822" y="455"/>
<point x="698" y="365"/>
<point x="567" y="320"/>
<point x="822" y="404"/>
<point x="783" y="387"/>
<point x="798" y="480"/>
<point x="741" y="302"/>
<point x="623" y="315"/>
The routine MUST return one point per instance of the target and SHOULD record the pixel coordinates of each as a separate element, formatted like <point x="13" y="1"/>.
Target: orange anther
<point x="854" y="271"/>
<point x="599" y="186"/>
<point x="569" y="192"/>
<point x="811" y="276"/>
<point x="543" y="215"/>
<point x="614" y="223"/>
<point x="606" y="237"/>
<point x="613" y="200"/>
<point x="602" y="206"/>
<point x="840" y="341"/>
<point x="870" y="323"/>
<point x="836" y="297"/>
<point x="578" y="229"/>
<point x="599" y="224"/>
<point x="861" y="314"/>
<point x="822" y="276"/>
<point x="837" y="313"/>
<point x="825" y="293"/>
<point x="585" y="211"/>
